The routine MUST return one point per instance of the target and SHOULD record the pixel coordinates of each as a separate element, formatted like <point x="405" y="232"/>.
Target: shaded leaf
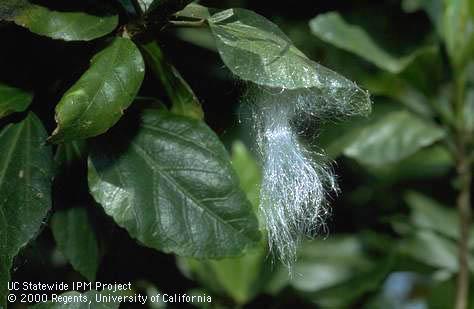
<point x="173" y="188"/>
<point x="97" y="100"/>
<point x="236" y="277"/>
<point x="184" y="101"/>
<point x="325" y="263"/>
<point x="432" y="249"/>
<point x="392" y="138"/>
<point x="68" y="26"/>
<point x="434" y="9"/>
<point x="25" y="189"/>
<point x="248" y="171"/>
<point x="468" y="114"/>
<point x="331" y="28"/>
<point x="427" y="163"/>
<point x="429" y="214"/>
<point x="13" y="100"/>
<point x="76" y="239"/>
<point x="67" y="153"/>
<point x="401" y="91"/>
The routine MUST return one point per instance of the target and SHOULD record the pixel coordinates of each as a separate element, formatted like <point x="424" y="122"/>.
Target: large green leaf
<point x="89" y="300"/>
<point x="25" y="189"/>
<point x="13" y="100"/>
<point x="236" y="277"/>
<point x="97" y="100"/>
<point x="256" y="50"/>
<point x="173" y="188"/>
<point x="184" y="101"/>
<point x="76" y="239"/>
<point x="331" y="28"/>
<point x="392" y="138"/>
<point x="68" y="26"/>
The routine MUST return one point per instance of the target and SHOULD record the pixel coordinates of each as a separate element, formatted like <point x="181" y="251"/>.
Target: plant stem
<point x="464" y="210"/>
<point x="464" y="172"/>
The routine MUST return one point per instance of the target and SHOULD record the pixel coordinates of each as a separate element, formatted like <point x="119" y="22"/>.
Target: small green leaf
<point x="76" y="239"/>
<point x="248" y="171"/>
<point x="173" y="188"/>
<point x="68" y="26"/>
<point x="194" y="11"/>
<point x="392" y="138"/>
<point x="25" y="189"/>
<point x="89" y="300"/>
<point x="458" y="30"/>
<point x="184" y="101"/>
<point x="13" y="100"/>
<point x="256" y="50"/>
<point x="428" y="214"/>
<point x="331" y="28"/>
<point x="234" y="277"/>
<point x="97" y="100"/>
<point x="432" y="249"/>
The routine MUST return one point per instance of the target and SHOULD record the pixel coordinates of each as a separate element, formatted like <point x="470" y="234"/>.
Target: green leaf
<point x="331" y="28"/>
<point x="431" y="215"/>
<point x="427" y="163"/>
<point x="184" y="101"/>
<point x="13" y="100"/>
<point x="432" y="249"/>
<point x="173" y="188"/>
<point x="78" y="300"/>
<point x="458" y="30"/>
<point x="68" y="26"/>
<point x="25" y="189"/>
<point x="392" y="138"/>
<point x="256" y="50"/>
<point x="238" y="277"/>
<point x="235" y="277"/>
<point x="76" y="239"/>
<point x="194" y="11"/>
<point x="248" y="171"/>
<point x="97" y="100"/>
<point x="328" y="262"/>
<point x="401" y="91"/>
